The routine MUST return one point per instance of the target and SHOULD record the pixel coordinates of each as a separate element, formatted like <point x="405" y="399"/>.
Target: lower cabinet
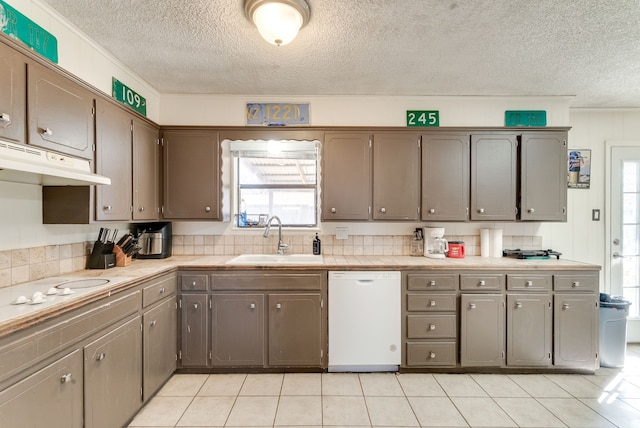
<point x="159" y="346"/>
<point x="113" y="376"/>
<point x="194" y="332"/>
<point x="529" y="322"/>
<point x="482" y="320"/>
<point x="51" y="397"/>
<point x="575" y="330"/>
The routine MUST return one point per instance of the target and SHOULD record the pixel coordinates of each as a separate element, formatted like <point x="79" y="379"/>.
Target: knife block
<point x="121" y="258"/>
<point x="102" y="256"/>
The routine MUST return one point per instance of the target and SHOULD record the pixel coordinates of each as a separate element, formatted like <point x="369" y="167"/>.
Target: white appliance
<point x="364" y="321"/>
<point x="435" y="246"/>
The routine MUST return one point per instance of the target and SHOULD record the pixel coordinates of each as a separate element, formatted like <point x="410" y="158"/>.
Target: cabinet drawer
<point x="431" y="302"/>
<point x="158" y="290"/>
<point x="529" y="282"/>
<point x="194" y="282"/>
<point x="431" y="354"/>
<point x="575" y="283"/>
<point x="432" y="282"/>
<point x="481" y="282"/>
<point x="431" y="326"/>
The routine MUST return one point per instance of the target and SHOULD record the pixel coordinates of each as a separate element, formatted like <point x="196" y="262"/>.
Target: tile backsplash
<point x="29" y="264"/>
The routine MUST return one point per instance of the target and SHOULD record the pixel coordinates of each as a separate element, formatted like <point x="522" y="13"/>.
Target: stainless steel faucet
<point x="281" y="245"/>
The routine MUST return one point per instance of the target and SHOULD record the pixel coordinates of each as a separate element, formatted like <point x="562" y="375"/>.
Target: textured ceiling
<point x="589" y="49"/>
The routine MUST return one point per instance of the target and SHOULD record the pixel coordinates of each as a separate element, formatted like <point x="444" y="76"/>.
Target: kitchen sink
<point x="276" y="259"/>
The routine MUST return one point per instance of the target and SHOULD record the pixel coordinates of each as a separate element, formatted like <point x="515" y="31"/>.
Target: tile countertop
<point x="13" y="318"/>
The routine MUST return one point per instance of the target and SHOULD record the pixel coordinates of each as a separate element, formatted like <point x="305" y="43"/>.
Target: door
<point x="237" y="330"/>
<point x="195" y="330"/>
<point x="529" y="330"/>
<point x="146" y="171"/>
<point x="295" y="330"/>
<point x="445" y="177"/>
<point x="159" y="349"/>
<point x="346" y="176"/>
<point x="396" y="176"/>
<point x="113" y="159"/>
<point x="482" y="330"/>
<point x="13" y="72"/>
<point x="622" y="261"/>
<point x="493" y="177"/>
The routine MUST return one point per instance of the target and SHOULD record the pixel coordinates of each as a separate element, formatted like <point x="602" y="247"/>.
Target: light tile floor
<point x="610" y="398"/>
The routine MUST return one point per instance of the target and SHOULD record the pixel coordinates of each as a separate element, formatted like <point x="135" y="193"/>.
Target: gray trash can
<point x="614" y="311"/>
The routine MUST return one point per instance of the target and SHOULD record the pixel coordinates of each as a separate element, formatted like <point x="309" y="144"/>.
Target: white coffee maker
<point x="435" y="246"/>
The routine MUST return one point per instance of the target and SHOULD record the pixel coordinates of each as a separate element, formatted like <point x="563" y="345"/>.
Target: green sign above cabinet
<point x="19" y="27"/>
<point x="128" y="96"/>
<point x="423" y="118"/>
<point x="525" y="118"/>
<point x="277" y="114"/>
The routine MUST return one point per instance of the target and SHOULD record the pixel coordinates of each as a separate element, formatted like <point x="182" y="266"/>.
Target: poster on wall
<point x="579" y="168"/>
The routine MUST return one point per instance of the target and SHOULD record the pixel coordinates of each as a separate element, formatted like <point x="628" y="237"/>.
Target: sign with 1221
<point x="423" y="118"/>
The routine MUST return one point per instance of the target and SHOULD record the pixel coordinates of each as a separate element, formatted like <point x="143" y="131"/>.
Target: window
<point x="276" y="178"/>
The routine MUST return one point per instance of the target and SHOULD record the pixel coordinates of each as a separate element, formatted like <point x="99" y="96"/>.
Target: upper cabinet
<point x="543" y="176"/>
<point x="146" y="171"/>
<point x="493" y="177"/>
<point x="191" y="174"/>
<point x="12" y="94"/>
<point x="445" y="177"/>
<point x="60" y="113"/>
<point x="346" y="176"/>
<point x="396" y="176"/>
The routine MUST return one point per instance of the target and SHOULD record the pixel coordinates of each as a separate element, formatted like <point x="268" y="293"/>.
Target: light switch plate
<point x="342" y="232"/>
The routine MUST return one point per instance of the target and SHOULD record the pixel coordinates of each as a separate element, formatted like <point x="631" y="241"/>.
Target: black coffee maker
<point x="154" y="240"/>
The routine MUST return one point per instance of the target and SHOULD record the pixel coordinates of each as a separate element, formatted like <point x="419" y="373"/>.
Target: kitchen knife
<point x="105" y="236"/>
<point x="122" y="239"/>
<point x="115" y="234"/>
<point x="100" y="234"/>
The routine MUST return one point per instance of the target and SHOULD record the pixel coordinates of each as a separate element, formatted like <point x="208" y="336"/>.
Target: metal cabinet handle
<point x="193" y="284"/>
<point x="195" y="306"/>
<point x="432" y="303"/>
<point x="4" y="117"/>
<point x="472" y="305"/>
<point x="106" y="208"/>
<point x="432" y="283"/>
<point x="278" y="306"/>
<point x="528" y="283"/>
<point x="141" y="209"/>
<point x="252" y="306"/>
<point x="565" y="306"/>
<point x="47" y="131"/>
<point x="432" y="355"/>
<point x="481" y="210"/>
<point x="101" y="356"/>
<point x="531" y="210"/>
<point x="482" y="283"/>
<point x="207" y="209"/>
<point x="518" y="305"/>
<point x="383" y="210"/>
<point x="162" y="290"/>
<point x="432" y="327"/>
<point x="432" y="211"/>
<point x="65" y="378"/>
<point x="153" y="323"/>
<point x="575" y="284"/>
<point x="333" y="210"/>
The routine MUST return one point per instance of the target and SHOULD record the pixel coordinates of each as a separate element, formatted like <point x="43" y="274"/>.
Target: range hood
<point x="25" y="164"/>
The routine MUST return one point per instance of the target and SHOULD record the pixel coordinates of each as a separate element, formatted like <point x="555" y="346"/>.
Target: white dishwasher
<point x="364" y="321"/>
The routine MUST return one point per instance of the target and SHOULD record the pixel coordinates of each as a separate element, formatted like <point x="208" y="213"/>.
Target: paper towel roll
<point x="496" y="243"/>
<point x="485" y="243"/>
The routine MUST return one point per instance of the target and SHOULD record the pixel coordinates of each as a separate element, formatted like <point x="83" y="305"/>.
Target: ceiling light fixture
<point x="278" y="21"/>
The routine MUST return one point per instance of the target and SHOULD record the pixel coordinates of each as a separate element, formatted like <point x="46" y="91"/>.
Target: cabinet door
<point x="146" y="171"/>
<point x="195" y="330"/>
<point x="113" y="159"/>
<point x="237" y="330"/>
<point x="493" y="177"/>
<point x="396" y="176"/>
<point x="445" y="177"/>
<point x="575" y="335"/>
<point x="528" y="330"/>
<point x="13" y="72"/>
<point x="51" y="397"/>
<point x="346" y="176"/>
<point x="543" y="176"/>
<point x="482" y="330"/>
<point x="113" y="376"/>
<point x="159" y="346"/>
<point x="191" y="175"/>
<point x="60" y="113"/>
<point x="295" y="330"/>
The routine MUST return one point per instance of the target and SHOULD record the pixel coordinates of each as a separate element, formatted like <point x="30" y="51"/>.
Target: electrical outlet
<point x="595" y="215"/>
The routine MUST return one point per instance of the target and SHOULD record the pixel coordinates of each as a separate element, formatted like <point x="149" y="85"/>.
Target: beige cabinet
<point x="482" y="330"/>
<point x="50" y="397"/>
<point x="159" y="345"/>
<point x="529" y="329"/>
<point x="543" y="176"/>
<point x="445" y="177"/>
<point x="192" y="186"/>
<point x="396" y="176"/>
<point x="113" y="376"/>
<point x="346" y="176"/>
<point x="60" y="113"/>
<point x="12" y="94"/>
<point x="493" y="177"/>
<point x="146" y="171"/>
<point x="194" y="330"/>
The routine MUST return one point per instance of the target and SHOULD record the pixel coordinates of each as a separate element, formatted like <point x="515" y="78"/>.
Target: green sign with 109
<point x="128" y="96"/>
